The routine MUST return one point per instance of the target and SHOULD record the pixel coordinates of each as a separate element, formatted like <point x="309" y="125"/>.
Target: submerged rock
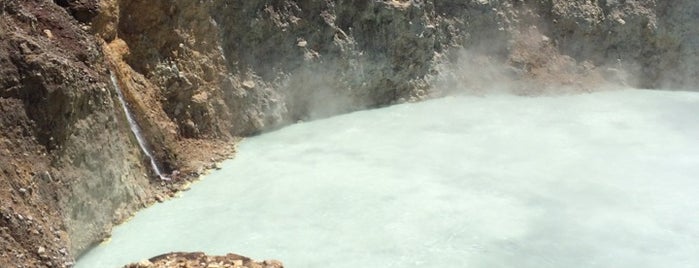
<point x="199" y="259"/>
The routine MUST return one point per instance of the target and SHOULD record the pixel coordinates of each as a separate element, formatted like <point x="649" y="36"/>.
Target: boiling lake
<point x="608" y="179"/>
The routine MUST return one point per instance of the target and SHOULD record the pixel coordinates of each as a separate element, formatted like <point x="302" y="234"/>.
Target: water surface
<point x="608" y="179"/>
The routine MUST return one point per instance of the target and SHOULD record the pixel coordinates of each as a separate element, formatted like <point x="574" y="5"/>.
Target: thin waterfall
<point x="136" y="130"/>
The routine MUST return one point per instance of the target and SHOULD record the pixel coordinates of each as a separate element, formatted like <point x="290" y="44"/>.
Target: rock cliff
<point x="200" y="74"/>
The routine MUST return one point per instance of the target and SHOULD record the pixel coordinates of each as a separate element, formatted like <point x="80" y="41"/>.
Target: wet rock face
<point x="64" y="151"/>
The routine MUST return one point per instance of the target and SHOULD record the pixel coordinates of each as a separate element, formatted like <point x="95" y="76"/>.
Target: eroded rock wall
<point x="638" y="43"/>
<point x="68" y="166"/>
<point x="218" y="69"/>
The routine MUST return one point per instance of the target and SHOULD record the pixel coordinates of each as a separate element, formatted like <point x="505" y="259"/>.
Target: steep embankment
<point x="199" y="74"/>
<point x="66" y="156"/>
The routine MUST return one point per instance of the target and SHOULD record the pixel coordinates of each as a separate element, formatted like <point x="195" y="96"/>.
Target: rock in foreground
<point x="199" y="259"/>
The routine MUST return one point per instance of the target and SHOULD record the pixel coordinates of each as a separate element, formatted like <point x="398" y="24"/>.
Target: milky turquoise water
<point x="608" y="179"/>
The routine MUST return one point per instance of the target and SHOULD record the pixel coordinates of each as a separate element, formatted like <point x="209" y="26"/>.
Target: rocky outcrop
<point x="200" y="74"/>
<point x="199" y="259"/>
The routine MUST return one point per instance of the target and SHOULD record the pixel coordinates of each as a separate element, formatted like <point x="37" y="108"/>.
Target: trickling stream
<point x="136" y="130"/>
<point x="608" y="179"/>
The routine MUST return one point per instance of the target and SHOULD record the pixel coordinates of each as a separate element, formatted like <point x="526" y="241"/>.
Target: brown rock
<point x="201" y="260"/>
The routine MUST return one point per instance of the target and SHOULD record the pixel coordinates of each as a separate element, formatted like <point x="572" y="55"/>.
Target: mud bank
<point x="200" y="74"/>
